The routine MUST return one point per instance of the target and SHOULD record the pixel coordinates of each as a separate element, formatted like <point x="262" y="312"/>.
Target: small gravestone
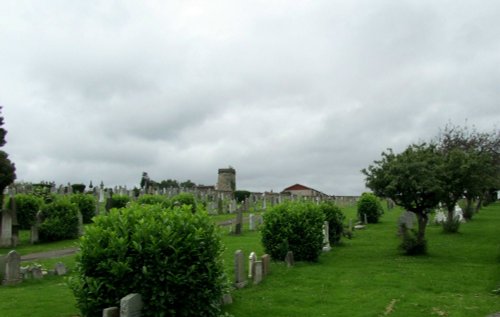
<point x="227" y="299"/>
<point x="37" y="273"/>
<point x="238" y="229"/>
<point x="239" y="270"/>
<point x="60" y="269"/>
<point x="407" y="219"/>
<point x="257" y="272"/>
<point x="6" y="228"/>
<point x="289" y="259"/>
<point x="251" y="260"/>
<point x="326" y="237"/>
<point x="12" y="269"/>
<point x="131" y="305"/>
<point x="251" y="222"/>
<point x="111" y="312"/>
<point x="365" y="218"/>
<point x="34" y="237"/>
<point x="266" y="262"/>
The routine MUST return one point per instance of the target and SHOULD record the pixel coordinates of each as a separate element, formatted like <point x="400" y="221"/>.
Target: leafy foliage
<point x="78" y="188"/>
<point x="241" y="195"/>
<point x="60" y="221"/>
<point x="153" y="200"/>
<point x="86" y="204"/>
<point x="7" y="168"/>
<point x="117" y="201"/>
<point x="172" y="257"/>
<point x="185" y="199"/>
<point x="296" y="227"/>
<point x="369" y="205"/>
<point x="335" y="218"/>
<point x="411" y="244"/>
<point x="412" y="179"/>
<point x="27" y="206"/>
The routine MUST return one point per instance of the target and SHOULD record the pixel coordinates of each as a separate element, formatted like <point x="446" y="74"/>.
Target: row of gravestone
<point x="12" y="273"/>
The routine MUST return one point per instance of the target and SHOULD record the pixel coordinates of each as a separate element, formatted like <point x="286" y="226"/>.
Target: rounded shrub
<point x="60" y="221"/>
<point x="185" y="199"/>
<point x="154" y="200"/>
<point x="296" y="227"/>
<point x="86" y="204"/>
<point x="78" y="188"/>
<point x="172" y="257"/>
<point x="411" y="245"/>
<point x="335" y="218"/>
<point x="369" y="205"/>
<point x="117" y="201"/>
<point x="27" y="207"/>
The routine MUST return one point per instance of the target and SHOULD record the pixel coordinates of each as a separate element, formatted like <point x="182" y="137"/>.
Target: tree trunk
<point x="422" y="224"/>
<point x="451" y="217"/>
<point x="469" y="209"/>
<point x="479" y="203"/>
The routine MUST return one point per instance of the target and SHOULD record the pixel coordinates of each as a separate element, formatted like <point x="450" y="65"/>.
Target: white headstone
<point x="251" y="260"/>
<point x="12" y="269"/>
<point x="326" y="237"/>
<point x="251" y="222"/>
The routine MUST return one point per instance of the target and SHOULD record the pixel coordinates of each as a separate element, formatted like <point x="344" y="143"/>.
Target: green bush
<point x="335" y="219"/>
<point x="42" y="190"/>
<point x="60" y="221"/>
<point x="117" y="201"/>
<point x="78" y="188"/>
<point x="451" y="225"/>
<point x="27" y="207"/>
<point x="410" y="244"/>
<point x="241" y="195"/>
<point x="86" y="204"/>
<point x="293" y="226"/>
<point x="172" y="257"/>
<point x="369" y="205"/>
<point x="185" y="199"/>
<point x="153" y="200"/>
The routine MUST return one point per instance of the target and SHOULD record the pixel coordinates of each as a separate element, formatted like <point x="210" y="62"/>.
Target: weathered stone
<point x="257" y="272"/>
<point x="251" y="260"/>
<point x="251" y="222"/>
<point x="60" y="269"/>
<point x="37" y="273"/>
<point x="12" y="269"/>
<point x="239" y="270"/>
<point x="326" y="237"/>
<point x="266" y="264"/>
<point x="111" y="312"/>
<point x="6" y="229"/>
<point x="131" y="305"/>
<point x="227" y="299"/>
<point x="289" y="259"/>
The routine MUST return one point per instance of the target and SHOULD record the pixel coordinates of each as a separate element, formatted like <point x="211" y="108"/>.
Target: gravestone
<point x="111" y="312"/>
<point x="6" y="229"/>
<point x="227" y="299"/>
<point x="266" y="262"/>
<point x="251" y="260"/>
<point x="34" y="237"/>
<point x="365" y="218"/>
<point x="12" y="269"/>
<point x="408" y="218"/>
<point x="37" y="273"/>
<point x="239" y="270"/>
<point x="60" y="269"/>
<point x="289" y="259"/>
<point x="251" y="222"/>
<point x="131" y="305"/>
<point x="15" y="223"/>
<point x="257" y="272"/>
<point x="326" y="237"/>
<point x="238" y="229"/>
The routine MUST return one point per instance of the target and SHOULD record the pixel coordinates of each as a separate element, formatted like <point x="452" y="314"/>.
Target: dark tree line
<point x="7" y="168"/>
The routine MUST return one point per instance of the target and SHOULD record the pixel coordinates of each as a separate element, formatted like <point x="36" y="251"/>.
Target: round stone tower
<point x="227" y="179"/>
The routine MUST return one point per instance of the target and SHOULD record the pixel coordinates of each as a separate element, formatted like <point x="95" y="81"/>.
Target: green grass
<point x="362" y="277"/>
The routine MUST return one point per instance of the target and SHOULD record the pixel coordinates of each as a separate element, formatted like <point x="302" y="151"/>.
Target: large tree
<point x="7" y="168"/>
<point x="412" y="179"/>
<point x="473" y="162"/>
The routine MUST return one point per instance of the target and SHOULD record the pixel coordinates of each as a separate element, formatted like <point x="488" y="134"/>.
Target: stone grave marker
<point x="251" y="222"/>
<point x="111" y="312"/>
<point x="289" y="259"/>
<point x="37" y="273"/>
<point x="6" y="229"/>
<point x="251" y="260"/>
<point x="238" y="229"/>
<point x="266" y="262"/>
<point x="131" y="305"/>
<point x="12" y="269"/>
<point x="34" y="238"/>
<point x="326" y="237"/>
<point x="257" y="272"/>
<point x="239" y="270"/>
<point x="60" y="268"/>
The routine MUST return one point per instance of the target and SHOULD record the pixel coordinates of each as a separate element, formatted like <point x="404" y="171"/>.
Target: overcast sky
<point x="285" y="92"/>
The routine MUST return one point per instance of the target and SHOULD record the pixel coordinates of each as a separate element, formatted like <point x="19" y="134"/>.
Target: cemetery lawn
<point x="365" y="276"/>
